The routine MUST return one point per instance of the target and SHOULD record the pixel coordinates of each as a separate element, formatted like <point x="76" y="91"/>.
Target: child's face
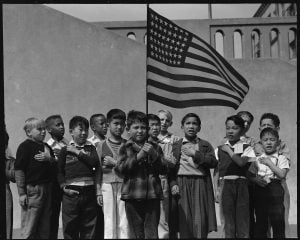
<point x="191" y="127"/>
<point x="116" y="127"/>
<point x="233" y="131"/>
<point x="57" y="128"/>
<point x="269" y="143"/>
<point x="137" y="132"/>
<point x="164" y="121"/>
<point x="154" y="128"/>
<point x="247" y="122"/>
<point x="99" y="126"/>
<point x="79" y="134"/>
<point x="267" y="123"/>
<point x="38" y="132"/>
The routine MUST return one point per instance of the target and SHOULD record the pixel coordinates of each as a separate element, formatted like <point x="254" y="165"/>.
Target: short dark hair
<point x="191" y="115"/>
<point x="269" y="130"/>
<point x="271" y="116"/>
<point x="153" y="117"/>
<point x="242" y="113"/>
<point x="136" y="116"/>
<point x="50" y="118"/>
<point x="78" y="120"/>
<point x="92" y="118"/>
<point x="115" y="114"/>
<point x="237" y="120"/>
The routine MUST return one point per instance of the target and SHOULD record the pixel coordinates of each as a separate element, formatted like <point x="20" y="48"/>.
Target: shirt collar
<point x="185" y="140"/>
<point x="168" y="135"/>
<point x="87" y="143"/>
<point x="275" y="155"/>
<point x="51" y="141"/>
<point x="239" y="142"/>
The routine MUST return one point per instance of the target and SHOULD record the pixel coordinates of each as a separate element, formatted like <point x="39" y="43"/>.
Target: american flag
<point x="185" y="71"/>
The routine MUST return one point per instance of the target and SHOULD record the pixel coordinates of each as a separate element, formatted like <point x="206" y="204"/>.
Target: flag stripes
<point x="185" y="71"/>
<point x="192" y="102"/>
<point x="188" y="82"/>
<point x="199" y="90"/>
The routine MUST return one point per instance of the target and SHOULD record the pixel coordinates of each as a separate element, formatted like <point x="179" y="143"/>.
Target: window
<point x="274" y="43"/>
<point x="219" y="42"/>
<point x="237" y="43"/>
<point x="292" y="43"/>
<point x="131" y="35"/>
<point x="255" y="43"/>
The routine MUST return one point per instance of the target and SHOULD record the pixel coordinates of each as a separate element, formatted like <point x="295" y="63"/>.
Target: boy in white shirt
<point x="268" y="200"/>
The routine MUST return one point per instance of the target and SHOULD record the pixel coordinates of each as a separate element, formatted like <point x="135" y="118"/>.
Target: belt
<point x="232" y="177"/>
<point x="275" y="180"/>
<point x="81" y="189"/>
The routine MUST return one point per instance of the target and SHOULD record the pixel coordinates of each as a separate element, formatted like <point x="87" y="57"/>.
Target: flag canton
<point x="168" y="43"/>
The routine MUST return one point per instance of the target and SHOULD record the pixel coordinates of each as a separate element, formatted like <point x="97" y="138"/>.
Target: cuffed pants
<point x="234" y="204"/>
<point x="79" y="214"/>
<point x="269" y="206"/>
<point x="143" y="218"/>
<point x="115" y="220"/>
<point x="9" y="212"/>
<point x="35" y="218"/>
<point x="56" y="205"/>
<point x="163" y="226"/>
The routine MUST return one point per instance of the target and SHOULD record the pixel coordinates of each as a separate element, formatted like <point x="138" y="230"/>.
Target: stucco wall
<point x="54" y="63"/>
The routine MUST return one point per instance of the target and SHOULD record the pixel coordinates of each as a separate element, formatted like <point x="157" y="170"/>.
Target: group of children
<point x="153" y="184"/>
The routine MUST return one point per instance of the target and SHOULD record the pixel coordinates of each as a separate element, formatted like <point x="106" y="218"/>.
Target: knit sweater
<point x="72" y="167"/>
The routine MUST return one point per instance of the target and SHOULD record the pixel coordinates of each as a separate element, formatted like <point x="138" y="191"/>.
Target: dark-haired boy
<point x="140" y="164"/>
<point x="56" y="129"/>
<point x="268" y="200"/>
<point x="272" y="120"/>
<point x="110" y="184"/>
<point x="77" y="163"/>
<point x="99" y="127"/>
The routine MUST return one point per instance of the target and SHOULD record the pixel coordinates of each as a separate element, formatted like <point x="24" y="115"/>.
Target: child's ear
<point x="199" y="128"/>
<point x="171" y="124"/>
<point x="277" y="129"/>
<point x="28" y="133"/>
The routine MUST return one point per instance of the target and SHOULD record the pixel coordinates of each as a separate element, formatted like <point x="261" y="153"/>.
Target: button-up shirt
<point x="279" y="160"/>
<point x="57" y="144"/>
<point x="238" y="148"/>
<point x="95" y="140"/>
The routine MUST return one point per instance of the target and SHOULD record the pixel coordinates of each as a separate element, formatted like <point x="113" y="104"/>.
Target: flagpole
<point x="209" y="11"/>
<point x="147" y="48"/>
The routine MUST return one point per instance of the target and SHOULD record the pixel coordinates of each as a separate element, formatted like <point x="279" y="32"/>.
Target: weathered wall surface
<point x="54" y="63"/>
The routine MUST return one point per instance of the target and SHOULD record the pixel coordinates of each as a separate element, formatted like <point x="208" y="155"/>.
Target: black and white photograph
<point x="149" y="120"/>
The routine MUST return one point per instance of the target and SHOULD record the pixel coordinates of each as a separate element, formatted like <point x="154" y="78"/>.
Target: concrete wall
<point x="54" y="63"/>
